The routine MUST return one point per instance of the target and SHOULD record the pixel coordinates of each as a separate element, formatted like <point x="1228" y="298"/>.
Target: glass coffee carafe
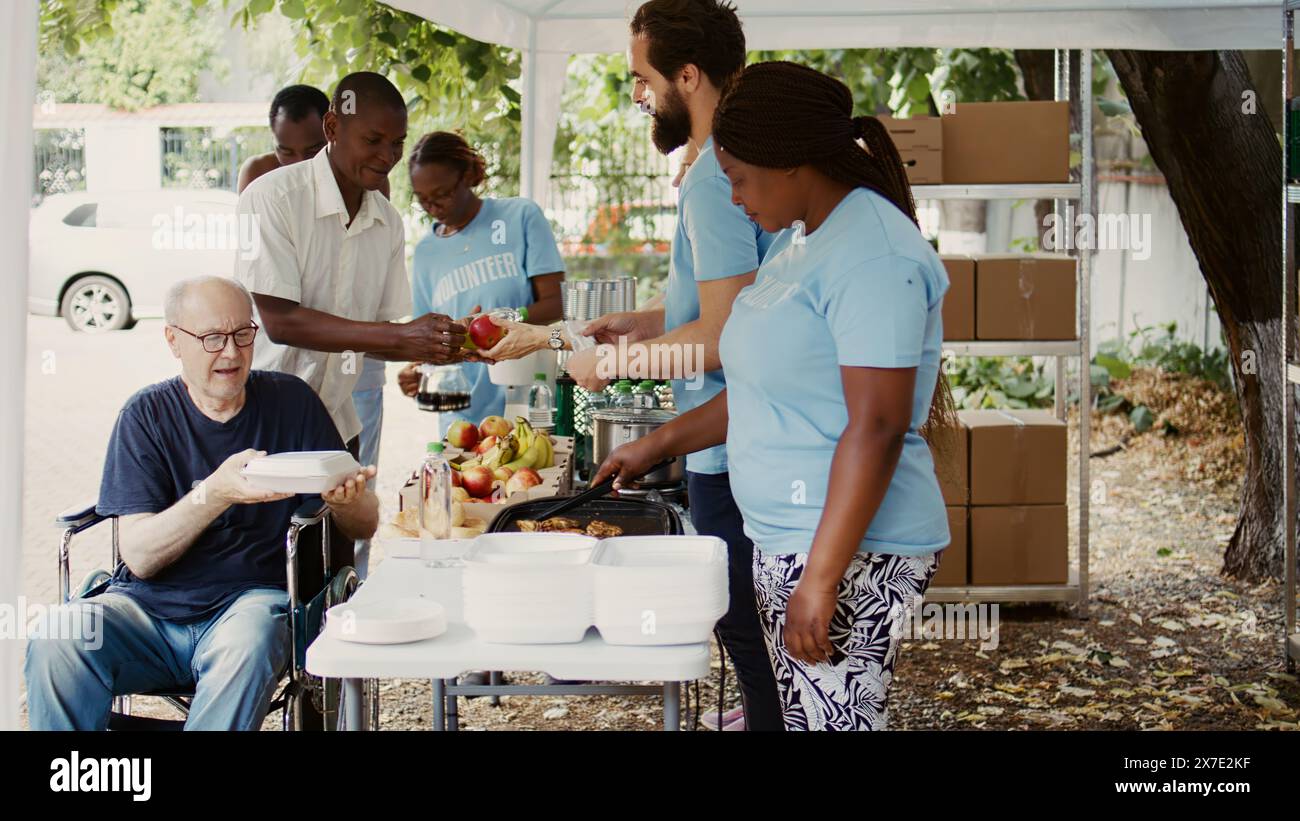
<point x="443" y="388"/>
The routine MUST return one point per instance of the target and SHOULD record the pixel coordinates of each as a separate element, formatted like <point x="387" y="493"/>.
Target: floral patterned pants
<point x="850" y="692"/>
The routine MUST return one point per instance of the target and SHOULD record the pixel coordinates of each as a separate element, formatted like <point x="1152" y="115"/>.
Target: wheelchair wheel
<point x="93" y="579"/>
<point x="341" y="588"/>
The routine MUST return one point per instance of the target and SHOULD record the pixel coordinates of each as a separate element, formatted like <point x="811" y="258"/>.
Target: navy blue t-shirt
<point x="163" y="445"/>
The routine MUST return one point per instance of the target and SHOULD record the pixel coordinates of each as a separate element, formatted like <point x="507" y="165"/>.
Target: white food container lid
<point x="306" y="464"/>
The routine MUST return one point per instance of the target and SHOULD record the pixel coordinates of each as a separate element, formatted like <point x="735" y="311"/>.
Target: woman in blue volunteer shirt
<point x="832" y="360"/>
<point x="482" y="253"/>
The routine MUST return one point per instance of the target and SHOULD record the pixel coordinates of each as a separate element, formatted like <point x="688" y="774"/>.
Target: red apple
<point x="523" y="479"/>
<point x="485" y="333"/>
<point x="455" y="478"/>
<point x="485" y="444"/>
<point x="477" y="481"/>
<point x="462" y="434"/>
<point x="494" y="426"/>
<point x="503" y="473"/>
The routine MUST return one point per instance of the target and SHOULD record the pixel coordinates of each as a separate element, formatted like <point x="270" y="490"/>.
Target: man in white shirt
<point x="329" y="279"/>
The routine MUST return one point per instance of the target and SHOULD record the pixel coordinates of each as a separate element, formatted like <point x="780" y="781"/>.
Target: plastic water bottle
<point x="435" y="498"/>
<point x="622" y="394"/>
<point x="643" y="394"/>
<point x="516" y="402"/>
<point x="540" y="406"/>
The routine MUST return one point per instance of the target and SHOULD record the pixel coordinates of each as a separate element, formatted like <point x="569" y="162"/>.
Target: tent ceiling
<point x="576" y="26"/>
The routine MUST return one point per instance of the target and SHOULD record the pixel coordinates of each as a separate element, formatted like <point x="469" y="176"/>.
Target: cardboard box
<point x="1007" y="143"/>
<point x="952" y="464"/>
<point x="1025" y="296"/>
<point x="919" y="141"/>
<point x="959" y="302"/>
<point x="1017" y="457"/>
<point x="1019" y="545"/>
<point x="953" y="560"/>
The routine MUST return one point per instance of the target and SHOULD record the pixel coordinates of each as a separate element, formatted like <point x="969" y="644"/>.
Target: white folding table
<point x="458" y="650"/>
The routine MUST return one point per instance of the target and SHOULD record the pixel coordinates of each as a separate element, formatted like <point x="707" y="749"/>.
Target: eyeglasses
<point x="216" y="342"/>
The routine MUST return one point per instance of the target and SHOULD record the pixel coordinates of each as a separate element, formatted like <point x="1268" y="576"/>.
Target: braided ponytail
<point x="784" y="115"/>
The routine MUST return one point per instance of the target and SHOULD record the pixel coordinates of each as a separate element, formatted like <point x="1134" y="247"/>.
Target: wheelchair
<point x="305" y="701"/>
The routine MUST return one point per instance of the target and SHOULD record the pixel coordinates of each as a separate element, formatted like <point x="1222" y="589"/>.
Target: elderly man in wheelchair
<point x="201" y="602"/>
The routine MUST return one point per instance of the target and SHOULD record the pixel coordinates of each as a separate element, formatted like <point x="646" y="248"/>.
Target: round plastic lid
<point x="540" y="376"/>
<point x="434" y="447"/>
<point x="634" y="415"/>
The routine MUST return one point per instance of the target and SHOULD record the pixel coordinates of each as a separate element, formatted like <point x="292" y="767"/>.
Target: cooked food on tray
<point x="603" y="530"/>
<point x="563" y="524"/>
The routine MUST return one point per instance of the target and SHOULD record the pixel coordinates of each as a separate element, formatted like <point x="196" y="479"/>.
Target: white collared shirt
<point x="310" y="255"/>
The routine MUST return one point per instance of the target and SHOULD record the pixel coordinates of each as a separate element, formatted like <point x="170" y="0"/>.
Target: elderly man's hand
<point x="227" y="483"/>
<point x="350" y="490"/>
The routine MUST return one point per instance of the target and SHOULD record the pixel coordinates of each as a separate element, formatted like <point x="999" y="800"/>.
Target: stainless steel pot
<point x="612" y="427"/>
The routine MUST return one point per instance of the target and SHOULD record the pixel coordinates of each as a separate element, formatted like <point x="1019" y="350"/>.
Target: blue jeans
<point x="370" y="408"/>
<point x="233" y="660"/>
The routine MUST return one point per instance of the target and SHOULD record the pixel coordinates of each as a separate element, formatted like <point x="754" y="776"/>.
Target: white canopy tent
<point x="548" y="31"/>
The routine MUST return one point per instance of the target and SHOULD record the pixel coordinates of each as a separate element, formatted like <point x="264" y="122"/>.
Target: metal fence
<point x="195" y="158"/>
<point x="60" y="162"/>
<point x="616" y="200"/>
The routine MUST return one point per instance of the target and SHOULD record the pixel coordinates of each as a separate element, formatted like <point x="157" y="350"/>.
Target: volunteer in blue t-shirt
<point x="832" y="360"/>
<point x="483" y="253"/>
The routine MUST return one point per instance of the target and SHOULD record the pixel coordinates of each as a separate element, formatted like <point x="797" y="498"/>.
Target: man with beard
<point x="330" y="280"/>
<point x="682" y="52"/>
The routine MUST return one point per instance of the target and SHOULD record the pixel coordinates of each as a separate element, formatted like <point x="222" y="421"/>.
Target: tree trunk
<point x="1223" y="167"/>
<point x="1038" y="71"/>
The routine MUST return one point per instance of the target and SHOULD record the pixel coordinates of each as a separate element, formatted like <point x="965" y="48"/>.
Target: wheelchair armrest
<point x="79" y="517"/>
<point x="310" y="512"/>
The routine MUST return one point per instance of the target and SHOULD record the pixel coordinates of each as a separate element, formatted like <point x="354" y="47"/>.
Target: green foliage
<point x="1152" y="346"/>
<point x="450" y="81"/>
<point x="109" y="51"/>
<point x="999" y="382"/>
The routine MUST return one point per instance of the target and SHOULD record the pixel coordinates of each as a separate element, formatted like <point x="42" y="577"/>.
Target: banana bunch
<point x="498" y="455"/>
<point x="534" y="450"/>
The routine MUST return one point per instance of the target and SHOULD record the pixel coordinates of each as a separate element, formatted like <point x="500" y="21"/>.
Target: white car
<point x="104" y="260"/>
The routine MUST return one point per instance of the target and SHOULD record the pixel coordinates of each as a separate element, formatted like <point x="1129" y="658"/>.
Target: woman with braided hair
<point x="833" y="379"/>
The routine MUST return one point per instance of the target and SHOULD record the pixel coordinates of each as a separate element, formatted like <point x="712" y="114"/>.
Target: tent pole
<point x="17" y="94"/>
<point x="528" y="109"/>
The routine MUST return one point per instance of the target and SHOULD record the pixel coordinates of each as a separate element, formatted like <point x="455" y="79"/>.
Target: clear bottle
<point x="516" y="402"/>
<point x="643" y="395"/>
<point x="435" y="496"/>
<point x="622" y="394"/>
<point x="540" y="406"/>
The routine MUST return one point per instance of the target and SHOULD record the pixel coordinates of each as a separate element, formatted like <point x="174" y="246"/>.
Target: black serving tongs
<point x="594" y="492"/>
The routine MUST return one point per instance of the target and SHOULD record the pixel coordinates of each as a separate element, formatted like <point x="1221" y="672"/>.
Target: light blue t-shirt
<point x="864" y="290"/>
<point x="487" y="263"/>
<point x="714" y="240"/>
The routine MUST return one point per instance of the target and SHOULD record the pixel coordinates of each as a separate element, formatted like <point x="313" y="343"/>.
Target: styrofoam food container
<point x="545" y="550"/>
<point x="676" y="552"/>
<point x="529" y="632"/>
<point x="432" y="550"/>
<point x="396" y="621"/>
<point x="307" y="471"/>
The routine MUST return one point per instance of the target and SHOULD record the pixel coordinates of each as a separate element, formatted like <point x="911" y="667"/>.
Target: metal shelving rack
<point x="1290" y="367"/>
<point x="1076" y="587"/>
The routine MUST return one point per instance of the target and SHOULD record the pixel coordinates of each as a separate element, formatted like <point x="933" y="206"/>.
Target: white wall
<point x="1129" y="292"/>
<point x="123" y="156"/>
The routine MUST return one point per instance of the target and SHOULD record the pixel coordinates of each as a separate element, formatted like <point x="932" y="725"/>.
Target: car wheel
<point x="95" y="304"/>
